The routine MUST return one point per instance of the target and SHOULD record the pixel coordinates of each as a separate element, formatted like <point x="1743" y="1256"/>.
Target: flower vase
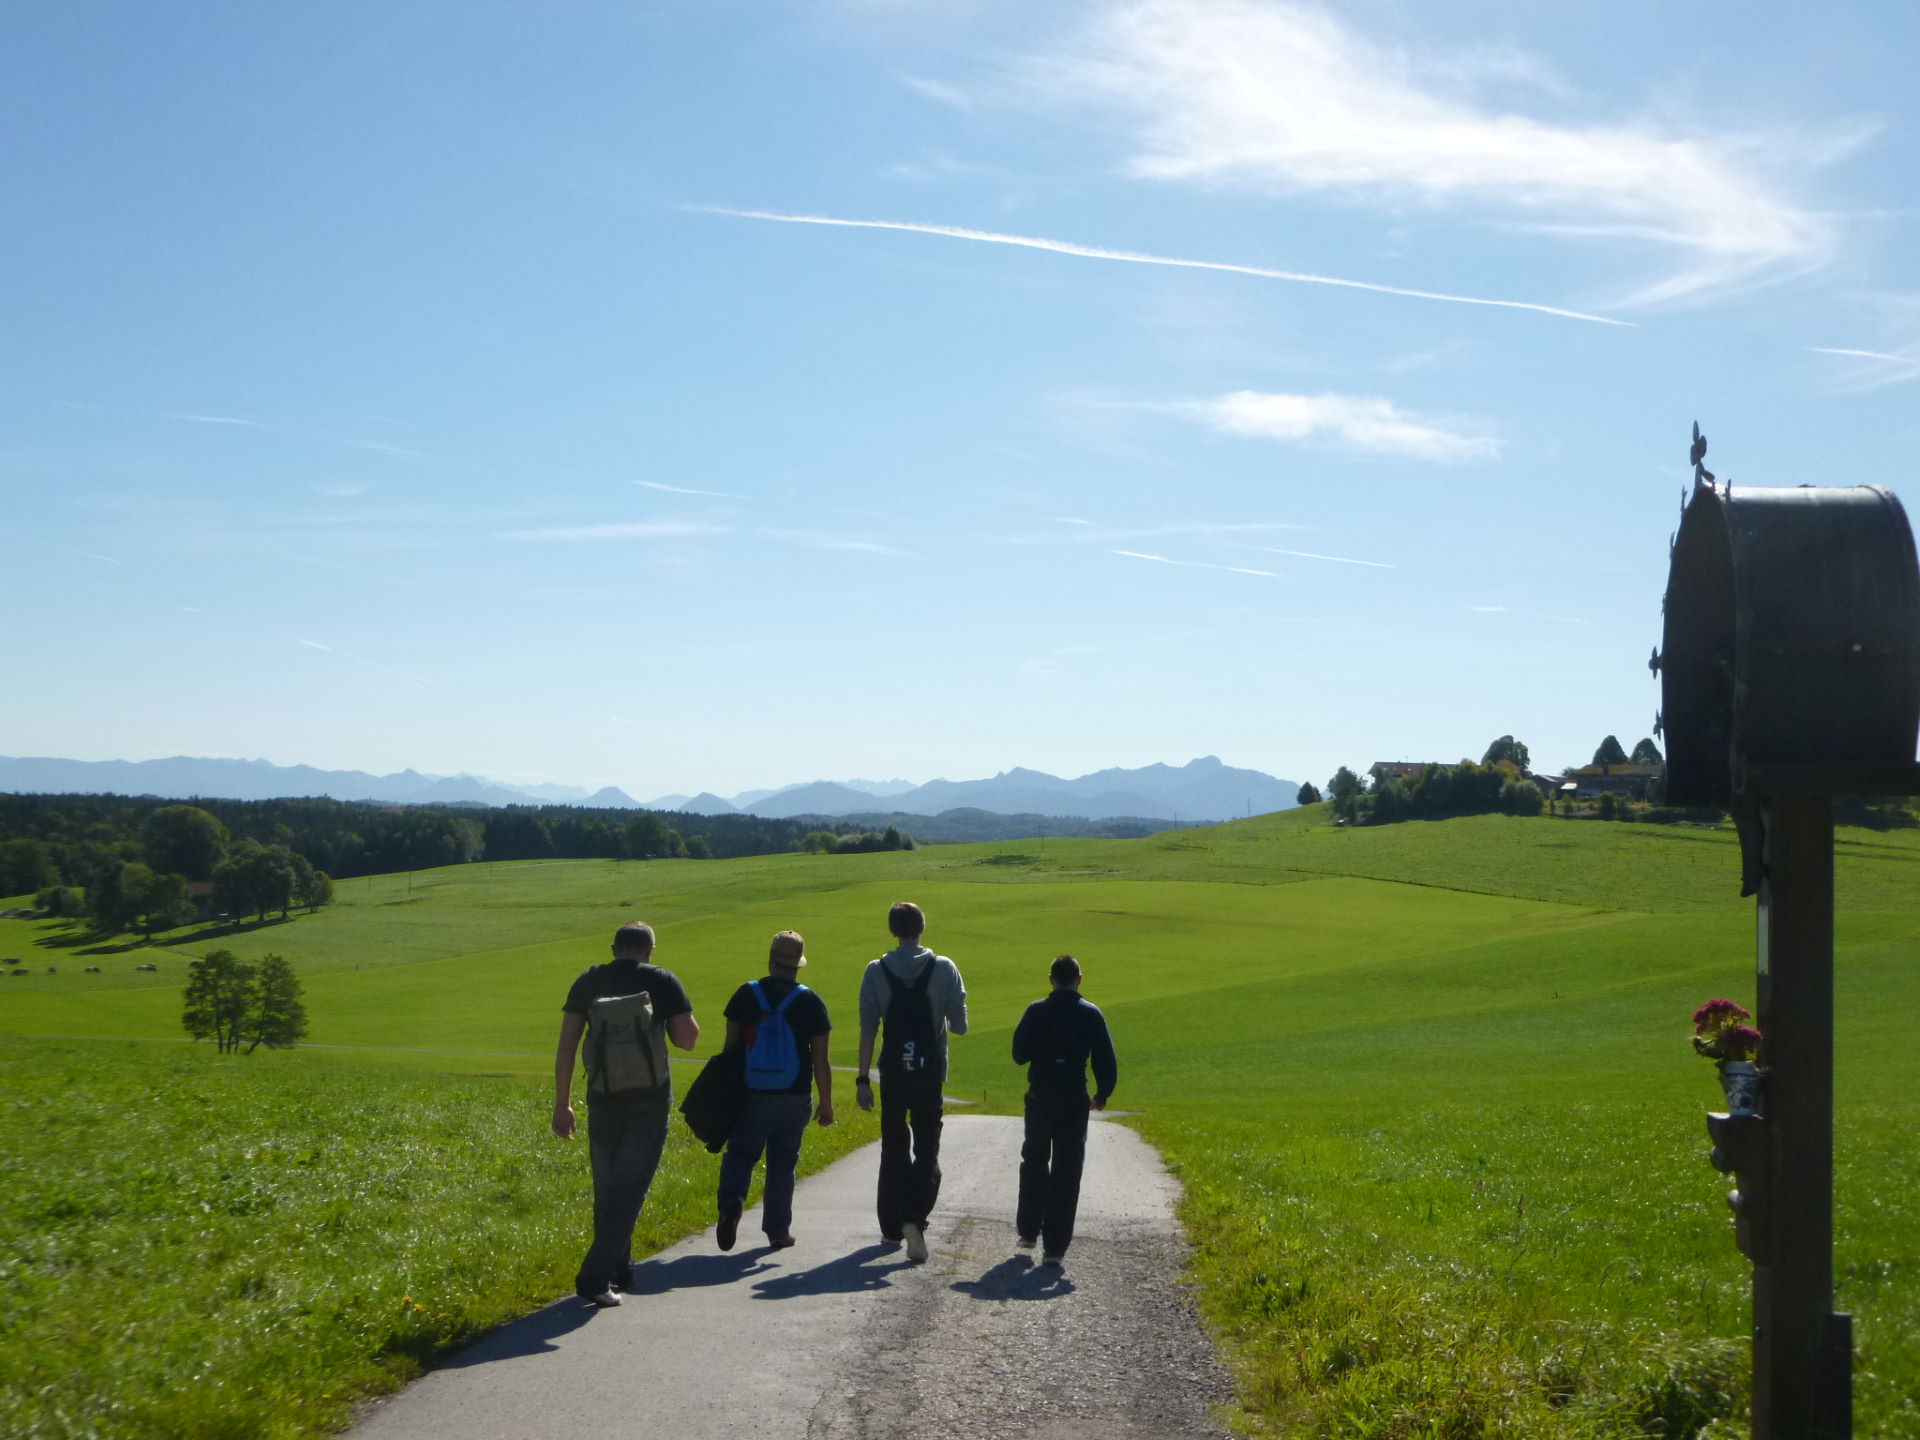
<point x="1742" y="1082"/>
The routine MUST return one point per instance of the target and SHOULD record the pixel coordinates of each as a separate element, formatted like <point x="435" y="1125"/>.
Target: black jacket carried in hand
<point x="714" y="1099"/>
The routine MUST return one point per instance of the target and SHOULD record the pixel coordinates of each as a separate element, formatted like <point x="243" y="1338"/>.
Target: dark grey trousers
<point x="625" y="1135"/>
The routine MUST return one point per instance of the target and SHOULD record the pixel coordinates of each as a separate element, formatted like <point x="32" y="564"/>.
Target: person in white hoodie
<point x="921" y="998"/>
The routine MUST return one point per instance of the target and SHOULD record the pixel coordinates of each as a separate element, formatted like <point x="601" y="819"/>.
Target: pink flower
<point x="1716" y="1015"/>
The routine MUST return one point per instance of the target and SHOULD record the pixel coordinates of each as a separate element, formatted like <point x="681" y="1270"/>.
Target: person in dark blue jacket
<point x="1055" y="1039"/>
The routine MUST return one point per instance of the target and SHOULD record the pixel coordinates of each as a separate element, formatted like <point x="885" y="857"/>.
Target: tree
<point x="255" y="877"/>
<point x="218" y="996"/>
<point x="154" y="901"/>
<point x="818" y="842"/>
<point x="108" y="906"/>
<point x="275" y="1016"/>
<point x="1610" y="753"/>
<point x="698" y="849"/>
<point x="1308" y="795"/>
<point x="26" y="866"/>
<point x="60" y="902"/>
<point x="318" y="892"/>
<point x="890" y="840"/>
<point x="184" y="840"/>
<point x="1344" y="788"/>
<point x="1648" y="753"/>
<point x="1510" y="750"/>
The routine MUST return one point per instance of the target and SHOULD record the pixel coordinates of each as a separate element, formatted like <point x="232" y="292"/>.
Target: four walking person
<point x="911" y="1000"/>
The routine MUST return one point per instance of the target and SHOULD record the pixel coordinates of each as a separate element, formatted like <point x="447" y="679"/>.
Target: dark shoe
<point x="779" y="1242"/>
<point x="1027" y="1242"/>
<point x="728" y="1229"/>
<point x="1054" y="1258"/>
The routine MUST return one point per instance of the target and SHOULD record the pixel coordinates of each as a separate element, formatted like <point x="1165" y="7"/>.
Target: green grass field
<point x="1427" y="1086"/>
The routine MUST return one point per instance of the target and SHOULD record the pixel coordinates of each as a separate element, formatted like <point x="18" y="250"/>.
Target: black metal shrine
<point x="1790" y="666"/>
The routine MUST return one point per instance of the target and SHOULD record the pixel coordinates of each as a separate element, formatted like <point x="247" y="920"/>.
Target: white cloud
<point x="1286" y="98"/>
<point x="1880" y="368"/>
<point x="637" y="530"/>
<point x="1311" y="555"/>
<point x="1198" y="564"/>
<point x="216" y="420"/>
<point x="683" y="490"/>
<point x="824" y="540"/>
<point x="1097" y="252"/>
<point x="1357" y="422"/>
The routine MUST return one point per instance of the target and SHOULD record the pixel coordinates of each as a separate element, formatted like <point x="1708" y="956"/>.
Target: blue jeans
<point x="776" y="1123"/>
<point x="625" y="1135"/>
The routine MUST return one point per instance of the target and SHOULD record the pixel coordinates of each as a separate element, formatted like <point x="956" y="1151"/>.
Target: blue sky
<point x="504" y="388"/>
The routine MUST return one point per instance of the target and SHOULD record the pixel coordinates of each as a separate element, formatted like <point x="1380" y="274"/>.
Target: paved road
<point x="839" y="1338"/>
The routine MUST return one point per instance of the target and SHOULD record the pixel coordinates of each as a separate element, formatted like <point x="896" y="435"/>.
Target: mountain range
<point x="1202" y="789"/>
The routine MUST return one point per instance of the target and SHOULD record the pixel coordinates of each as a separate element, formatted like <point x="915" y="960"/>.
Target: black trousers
<point x="1051" y="1160"/>
<point x="911" y="1111"/>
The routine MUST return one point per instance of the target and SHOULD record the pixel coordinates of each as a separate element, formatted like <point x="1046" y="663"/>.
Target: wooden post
<point x="1802" y="1352"/>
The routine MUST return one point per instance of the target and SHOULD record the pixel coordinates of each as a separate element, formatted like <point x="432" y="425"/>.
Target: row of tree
<point x="48" y="840"/>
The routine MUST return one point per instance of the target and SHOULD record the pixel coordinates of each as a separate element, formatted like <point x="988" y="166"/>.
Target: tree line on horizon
<point x="126" y="862"/>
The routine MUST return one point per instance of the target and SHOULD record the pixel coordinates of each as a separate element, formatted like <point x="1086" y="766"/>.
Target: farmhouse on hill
<point x="1592" y="781"/>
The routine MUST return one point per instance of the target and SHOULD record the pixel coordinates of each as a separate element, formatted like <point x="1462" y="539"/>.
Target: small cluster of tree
<point x="1611" y="752"/>
<point x="856" y="842"/>
<point x="1308" y="795"/>
<point x="1463" y="789"/>
<point x="259" y="878"/>
<point x="239" y="1003"/>
<point x="1497" y="784"/>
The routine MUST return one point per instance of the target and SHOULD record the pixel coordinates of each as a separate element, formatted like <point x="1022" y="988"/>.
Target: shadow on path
<point x="1018" y="1278"/>
<point x="655" y="1277"/>
<point x="849" y="1275"/>
<point x="532" y="1336"/>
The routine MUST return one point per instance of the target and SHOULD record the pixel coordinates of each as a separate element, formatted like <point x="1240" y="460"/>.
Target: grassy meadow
<point x="1427" y="1087"/>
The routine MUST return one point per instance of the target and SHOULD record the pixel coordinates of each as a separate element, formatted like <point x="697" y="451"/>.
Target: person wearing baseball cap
<point x="782" y="1027"/>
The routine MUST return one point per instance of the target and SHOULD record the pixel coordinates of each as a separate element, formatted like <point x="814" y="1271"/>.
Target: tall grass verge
<point x="205" y="1248"/>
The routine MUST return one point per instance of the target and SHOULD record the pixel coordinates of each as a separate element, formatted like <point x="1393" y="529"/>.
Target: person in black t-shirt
<point x="775" y="1120"/>
<point x="1055" y="1039"/>
<point x="627" y="1130"/>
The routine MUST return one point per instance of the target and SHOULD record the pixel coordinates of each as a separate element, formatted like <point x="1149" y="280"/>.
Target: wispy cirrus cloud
<point x="627" y="530"/>
<point x="1197" y="564"/>
<point x="1136" y="257"/>
<point x="1290" y="99"/>
<point x="1314" y="555"/>
<point x="683" y="490"/>
<point x="827" y="540"/>
<point x="1879" y="367"/>
<point x="216" y="420"/>
<point x="1365" y="423"/>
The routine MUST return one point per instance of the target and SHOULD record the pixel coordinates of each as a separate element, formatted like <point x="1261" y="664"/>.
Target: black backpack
<point x="909" y="1046"/>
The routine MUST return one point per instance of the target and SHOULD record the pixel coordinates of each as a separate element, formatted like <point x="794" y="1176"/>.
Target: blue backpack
<point x="773" y="1059"/>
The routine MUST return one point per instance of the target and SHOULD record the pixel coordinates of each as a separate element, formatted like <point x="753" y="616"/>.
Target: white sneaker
<point x="605" y="1300"/>
<point x="916" y="1241"/>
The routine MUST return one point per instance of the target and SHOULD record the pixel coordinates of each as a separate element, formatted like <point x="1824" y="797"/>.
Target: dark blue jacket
<point x="1057" y="1037"/>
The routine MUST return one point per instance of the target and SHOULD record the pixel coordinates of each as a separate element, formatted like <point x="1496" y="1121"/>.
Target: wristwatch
<point x="863" y="1079"/>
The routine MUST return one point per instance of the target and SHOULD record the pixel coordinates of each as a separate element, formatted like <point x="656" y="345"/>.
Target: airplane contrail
<point x="1095" y="252"/>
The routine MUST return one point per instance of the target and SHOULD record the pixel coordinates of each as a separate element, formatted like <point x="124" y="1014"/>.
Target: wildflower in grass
<point x="1720" y="1031"/>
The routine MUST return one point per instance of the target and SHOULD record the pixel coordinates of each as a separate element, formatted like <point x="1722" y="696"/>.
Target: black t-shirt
<point x="630" y="977"/>
<point x="807" y="1015"/>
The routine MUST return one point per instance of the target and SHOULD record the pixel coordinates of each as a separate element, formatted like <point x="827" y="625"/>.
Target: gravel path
<point x="857" y="1344"/>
